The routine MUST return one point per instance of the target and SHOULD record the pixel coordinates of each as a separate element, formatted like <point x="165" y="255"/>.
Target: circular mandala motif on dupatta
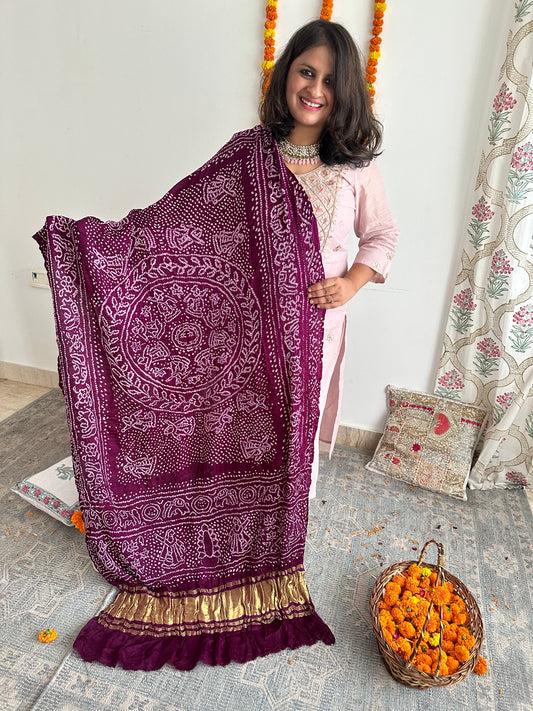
<point x="182" y="333"/>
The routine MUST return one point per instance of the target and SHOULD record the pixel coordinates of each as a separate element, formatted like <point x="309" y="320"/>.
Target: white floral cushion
<point x="52" y="490"/>
<point x="428" y="441"/>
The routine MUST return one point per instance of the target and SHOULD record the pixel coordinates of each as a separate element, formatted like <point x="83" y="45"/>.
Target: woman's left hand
<point x="330" y="293"/>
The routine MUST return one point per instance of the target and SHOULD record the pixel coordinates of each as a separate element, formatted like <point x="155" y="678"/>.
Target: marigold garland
<point x="270" y="42"/>
<point x="404" y="618"/>
<point x="77" y="520"/>
<point x="327" y="9"/>
<point x="374" y="52"/>
<point x="47" y="635"/>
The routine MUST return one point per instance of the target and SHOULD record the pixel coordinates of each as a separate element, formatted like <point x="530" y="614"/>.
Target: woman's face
<point x="309" y="91"/>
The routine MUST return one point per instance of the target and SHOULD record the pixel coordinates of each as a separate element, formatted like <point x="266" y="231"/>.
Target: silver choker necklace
<point x="302" y="155"/>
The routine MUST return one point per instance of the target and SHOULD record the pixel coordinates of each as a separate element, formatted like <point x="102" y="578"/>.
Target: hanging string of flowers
<point x="270" y="42"/>
<point x="374" y="52"/>
<point x="327" y="9"/>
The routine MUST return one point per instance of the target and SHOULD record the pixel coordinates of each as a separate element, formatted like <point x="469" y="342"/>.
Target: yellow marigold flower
<point x="434" y="639"/>
<point x="267" y="65"/>
<point x="47" y="636"/>
<point x="426" y="572"/>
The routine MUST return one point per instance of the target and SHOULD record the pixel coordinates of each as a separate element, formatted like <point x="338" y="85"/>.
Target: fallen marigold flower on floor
<point x="481" y="666"/>
<point x="47" y="635"/>
<point x="77" y="520"/>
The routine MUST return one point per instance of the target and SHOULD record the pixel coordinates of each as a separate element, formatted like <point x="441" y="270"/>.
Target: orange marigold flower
<point x="414" y="571"/>
<point x="424" y="658"/>
<point x="433" y="624"/>
<point x="461" y="605"/>
<point x="463" y="633"/>
<point x="393" y="587"/>
<point x="461" y="653"/>
<point x="47" y="635"/>
<point x="447" y="614"/>
<point x="391" y="598"/>
<point x="460" y="618"/>
<point x="398" y="579"/>
<point x="77" y="520"/>
<point x="481" y="666"/>
<point x="440" y="595"/>
<point x="407" y="630"/>
<point x="418" y="622"/>
<point x="424" y="668"/>
<point x="412" y="584"/>
<point x="448" y="646"/>
<point x="444" y="671"/>
<point x="434" y="654"/>
<point x="397" y="614"/>
<point x="404" y="648"/>
<point x="453" y="665"/>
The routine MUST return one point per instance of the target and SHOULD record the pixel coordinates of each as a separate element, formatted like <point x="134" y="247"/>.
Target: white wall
<point x="108" y="103"/>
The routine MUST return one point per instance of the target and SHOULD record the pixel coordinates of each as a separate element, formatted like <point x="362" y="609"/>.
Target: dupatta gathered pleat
<point x="190" y="361"/>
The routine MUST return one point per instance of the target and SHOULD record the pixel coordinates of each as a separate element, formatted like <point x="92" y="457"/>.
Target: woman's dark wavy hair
<point x="352" y="133"/>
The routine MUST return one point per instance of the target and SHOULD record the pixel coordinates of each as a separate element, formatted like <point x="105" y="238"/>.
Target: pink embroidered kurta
<point x="345" y="198"/>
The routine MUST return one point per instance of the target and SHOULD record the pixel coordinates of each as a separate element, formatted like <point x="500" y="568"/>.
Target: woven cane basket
<point x="401" y="669"/>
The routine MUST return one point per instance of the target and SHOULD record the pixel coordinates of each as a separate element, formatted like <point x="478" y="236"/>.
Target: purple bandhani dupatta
<point x="190" y="361"/>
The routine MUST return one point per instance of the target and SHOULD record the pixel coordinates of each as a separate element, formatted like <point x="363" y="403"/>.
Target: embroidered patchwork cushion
<point x="428" y="441"/>
<point x="52" y="490"/>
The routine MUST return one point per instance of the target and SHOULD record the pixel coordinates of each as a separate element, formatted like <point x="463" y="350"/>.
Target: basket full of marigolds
<point x="428" y="625"/>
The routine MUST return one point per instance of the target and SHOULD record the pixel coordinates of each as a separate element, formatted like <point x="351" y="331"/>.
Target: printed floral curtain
<point x="488" y="345"/>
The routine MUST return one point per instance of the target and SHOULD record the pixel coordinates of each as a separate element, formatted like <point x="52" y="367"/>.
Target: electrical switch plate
<point x="39" y="278"/>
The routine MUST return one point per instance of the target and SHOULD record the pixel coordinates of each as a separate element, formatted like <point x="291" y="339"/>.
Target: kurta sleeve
<point x="374" y="223"/>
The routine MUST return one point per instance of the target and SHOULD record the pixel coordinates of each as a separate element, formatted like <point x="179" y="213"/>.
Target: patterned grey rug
<point x="359" y="524"/>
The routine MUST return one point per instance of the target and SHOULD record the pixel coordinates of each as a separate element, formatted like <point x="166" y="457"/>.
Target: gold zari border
<point x="223" y="609"/>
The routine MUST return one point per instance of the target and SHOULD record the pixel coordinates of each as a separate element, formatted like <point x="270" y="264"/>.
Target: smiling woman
<point x="318" y="108"/>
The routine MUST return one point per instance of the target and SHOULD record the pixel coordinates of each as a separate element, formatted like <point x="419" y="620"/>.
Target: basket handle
<point x="440" y="555"/>
<point x="440" y="580"/>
